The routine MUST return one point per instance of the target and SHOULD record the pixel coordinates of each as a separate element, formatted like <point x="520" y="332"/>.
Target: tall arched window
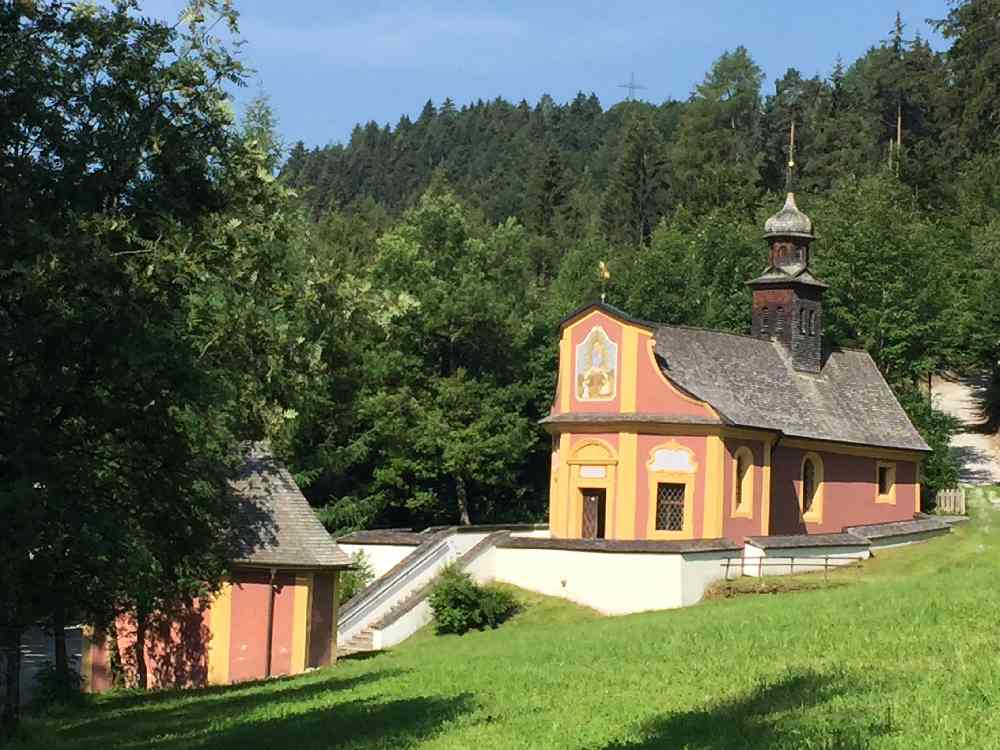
<point x="779" y="320"/>
<point x="811" y="488"/>
<point x="802" y="321"/>
<point x="765" y="320"/>
<point x="812" y="322"/>
<point x="743" y="483"/>
<point x="808" y="485"/>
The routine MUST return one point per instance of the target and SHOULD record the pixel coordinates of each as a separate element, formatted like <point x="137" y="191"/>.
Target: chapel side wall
<point x="849" y="492"/>
<point x="736" y="527"/>
<point x="698" y="445"/>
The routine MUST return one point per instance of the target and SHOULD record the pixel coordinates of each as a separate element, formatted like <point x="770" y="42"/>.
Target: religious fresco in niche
<point x="596" y="367"/>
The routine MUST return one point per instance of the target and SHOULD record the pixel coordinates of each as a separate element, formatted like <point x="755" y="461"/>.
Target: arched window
<point x="812" y="322"/>
<point x="765" y="320"/>
<point x="779" y="320"/>
<point x="743" y="483"/>
<point x="808" y="484"/>
<point x="811" y="488"/>
<point x="802" y="321"/>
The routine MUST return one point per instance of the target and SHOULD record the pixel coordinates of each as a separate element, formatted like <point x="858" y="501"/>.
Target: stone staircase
<point x="363" y="641"/>
<point x="395" y="605"/>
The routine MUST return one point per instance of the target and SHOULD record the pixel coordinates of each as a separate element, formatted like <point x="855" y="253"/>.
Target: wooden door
<point x="594" y="513"/>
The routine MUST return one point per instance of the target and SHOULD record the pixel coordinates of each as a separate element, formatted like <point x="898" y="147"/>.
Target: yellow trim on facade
<point x="598" y="453"/>
<point x="565" y="370"/>
<point x="218" y="644"/>
<point x="629" y="374"/>
<point x="918" y="485"/>
<point x="714" y="488"/>
<point x="333" y="620"/>
<point x="559" y="525"/>
<point x="765" y="490"/>
<point x="815" y="514"/>
<point x="671" y="476"/>
<point x="623" y="525"/>
<point x="865" y="451"/>
<point x="890" y="497"/>
<point x="87" y="657"/>
<point x="745" y="508"/>
<point x="300" y="621"/>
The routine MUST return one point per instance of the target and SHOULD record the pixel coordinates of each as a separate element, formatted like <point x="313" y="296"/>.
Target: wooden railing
<point x="951" y="501"/>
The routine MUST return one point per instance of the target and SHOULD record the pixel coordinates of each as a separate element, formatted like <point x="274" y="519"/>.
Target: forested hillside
<point x="459" y="239"/>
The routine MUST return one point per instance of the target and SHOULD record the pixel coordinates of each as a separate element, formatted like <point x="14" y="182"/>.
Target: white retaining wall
<point x="786" y="561"/>
<point x="613" y="583"/>
<point x="382" y="557"/>
<point x="904" y="539"/>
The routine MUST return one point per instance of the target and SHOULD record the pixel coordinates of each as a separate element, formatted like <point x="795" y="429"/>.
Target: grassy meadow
<point x="903" y="654"/>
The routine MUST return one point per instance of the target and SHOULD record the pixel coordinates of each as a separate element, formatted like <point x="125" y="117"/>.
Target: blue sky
<point x="328" y="65"/>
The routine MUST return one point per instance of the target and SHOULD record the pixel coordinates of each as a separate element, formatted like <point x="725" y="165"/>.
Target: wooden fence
<point x="951" y="501"/>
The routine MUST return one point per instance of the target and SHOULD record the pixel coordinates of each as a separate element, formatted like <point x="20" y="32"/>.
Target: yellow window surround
<point x="815" y="512"/>
<point x="741" y="499"/>
<point x="889" y="496"/>
<point x="658" y="472"/>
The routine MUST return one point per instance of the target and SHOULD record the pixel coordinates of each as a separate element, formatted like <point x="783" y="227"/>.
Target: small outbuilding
<point x="275" y="615"/>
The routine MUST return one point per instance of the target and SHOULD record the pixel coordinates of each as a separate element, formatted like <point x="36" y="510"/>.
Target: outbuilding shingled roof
<point x="751" y="382"/>
<point x="277" y="527"/>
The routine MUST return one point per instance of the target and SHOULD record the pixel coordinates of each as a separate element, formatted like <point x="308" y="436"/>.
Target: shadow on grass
<point x="318" y="713"/>
<point x="773" y="716"/>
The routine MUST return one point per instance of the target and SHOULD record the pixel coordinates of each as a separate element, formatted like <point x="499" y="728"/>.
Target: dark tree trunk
<point x="59" y="642"/>
<point x="141" y="623"/>
<point x="463" y="502"/>
<point x="10" y="679"/>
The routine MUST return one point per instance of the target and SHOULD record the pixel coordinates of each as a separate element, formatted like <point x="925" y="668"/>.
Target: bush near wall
<point x="352" y="581"/>
<point x="460" y="604"/>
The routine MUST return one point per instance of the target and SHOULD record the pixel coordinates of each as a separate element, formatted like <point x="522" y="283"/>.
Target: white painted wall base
<point x="382" y="557"/>
<point x="905" y="539"/>
<point x="779" y="562"/>
<point x="612" y="583"/>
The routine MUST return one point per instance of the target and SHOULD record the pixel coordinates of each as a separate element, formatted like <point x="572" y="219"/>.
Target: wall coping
<point x="642" y="546"/>
<point x="803" y="541"/>
<point x="897" y="528"/>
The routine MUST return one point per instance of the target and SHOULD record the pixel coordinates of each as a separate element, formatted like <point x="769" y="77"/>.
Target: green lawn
<point x="904" y="655"/>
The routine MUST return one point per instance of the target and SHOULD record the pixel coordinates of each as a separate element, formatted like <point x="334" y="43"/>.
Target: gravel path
<point x="977" y="452"/>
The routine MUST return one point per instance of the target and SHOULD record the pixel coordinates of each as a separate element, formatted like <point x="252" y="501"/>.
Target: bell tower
<point x="787" y="298"/>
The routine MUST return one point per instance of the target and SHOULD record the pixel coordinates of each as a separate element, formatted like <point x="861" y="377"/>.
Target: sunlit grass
<point x="904" y="655"/>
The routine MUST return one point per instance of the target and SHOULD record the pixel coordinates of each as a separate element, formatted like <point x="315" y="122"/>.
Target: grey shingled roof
<point x="751" y="382"/>
<point x="277" y="527"/>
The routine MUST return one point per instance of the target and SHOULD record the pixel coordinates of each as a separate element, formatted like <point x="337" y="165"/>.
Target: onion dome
<point x="789" y="222"/>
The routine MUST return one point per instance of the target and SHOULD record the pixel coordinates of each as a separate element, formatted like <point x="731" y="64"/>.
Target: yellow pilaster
<point x="714" y="500"/>
<point x="917" y="486"/>
<point x="765" y="491"/>
<point x="625" y="498"/>
<point x="300" y="621"/>
<point x="218" y="644"/>
<point x="336" y="614"/>
<point x="566" y="384"/>
<point x="559" y="528"/>
<point x="630" y="367"/>
<point x="87" y="658"/>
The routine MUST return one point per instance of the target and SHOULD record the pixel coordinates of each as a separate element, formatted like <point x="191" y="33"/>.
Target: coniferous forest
<point x="175" y="281"/>
<point x="460" y="239"/>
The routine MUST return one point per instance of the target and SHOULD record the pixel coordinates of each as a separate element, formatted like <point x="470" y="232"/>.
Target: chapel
<point x="666" y="432"/>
